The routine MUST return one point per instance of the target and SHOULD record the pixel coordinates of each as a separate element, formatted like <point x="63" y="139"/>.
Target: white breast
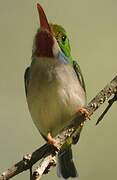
<point x="54" y="95"/>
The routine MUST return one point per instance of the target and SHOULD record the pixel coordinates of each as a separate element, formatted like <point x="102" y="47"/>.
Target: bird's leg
<point x="51" y="140"/>
<point x="84" y="111"/>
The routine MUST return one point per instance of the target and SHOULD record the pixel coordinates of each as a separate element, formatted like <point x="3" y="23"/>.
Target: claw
<point x="85" y="112"/>
<point x="51" y="140"/>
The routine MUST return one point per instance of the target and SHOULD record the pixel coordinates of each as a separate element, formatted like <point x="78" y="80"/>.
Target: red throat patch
<point x="43" y="44"/>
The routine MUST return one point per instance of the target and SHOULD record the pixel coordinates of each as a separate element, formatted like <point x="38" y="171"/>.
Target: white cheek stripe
<point x="55" y="48"/>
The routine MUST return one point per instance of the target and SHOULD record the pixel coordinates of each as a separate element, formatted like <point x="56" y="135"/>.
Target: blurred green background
<point x="92" y="28"/>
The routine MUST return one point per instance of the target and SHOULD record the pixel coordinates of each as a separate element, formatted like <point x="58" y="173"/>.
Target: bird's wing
<point x="26" y="78"/>
<point x="79" y="74"/>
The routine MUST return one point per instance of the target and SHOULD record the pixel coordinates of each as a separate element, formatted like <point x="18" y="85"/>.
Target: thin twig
<point x="30" y="173"/>
<point x="110" y="103"/>
<point x="72" y="130"/>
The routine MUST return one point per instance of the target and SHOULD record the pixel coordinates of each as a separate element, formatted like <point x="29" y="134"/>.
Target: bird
<point x="54" y="87"/>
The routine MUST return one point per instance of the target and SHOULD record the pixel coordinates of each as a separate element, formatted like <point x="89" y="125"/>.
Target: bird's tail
<point x="66" y="167"/>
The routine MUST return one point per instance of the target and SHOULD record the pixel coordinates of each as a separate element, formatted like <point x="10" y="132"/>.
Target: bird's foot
<point x="52" y="141"/>
<point x="85" y="112"/>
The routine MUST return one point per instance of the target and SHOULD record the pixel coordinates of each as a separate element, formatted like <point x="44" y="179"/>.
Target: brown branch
<point x="47" y="152"/>
<point x="45" y="164"/>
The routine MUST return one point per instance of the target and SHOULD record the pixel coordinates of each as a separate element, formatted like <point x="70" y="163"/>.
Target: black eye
<point x="63" y="38"/>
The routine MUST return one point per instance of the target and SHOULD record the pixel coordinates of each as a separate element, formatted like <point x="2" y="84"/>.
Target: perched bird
<point x="54" y="87"/>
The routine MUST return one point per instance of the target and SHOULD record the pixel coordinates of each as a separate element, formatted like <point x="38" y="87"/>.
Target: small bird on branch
<point x="55" y="88"/>
<point x="56" y="97"/>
